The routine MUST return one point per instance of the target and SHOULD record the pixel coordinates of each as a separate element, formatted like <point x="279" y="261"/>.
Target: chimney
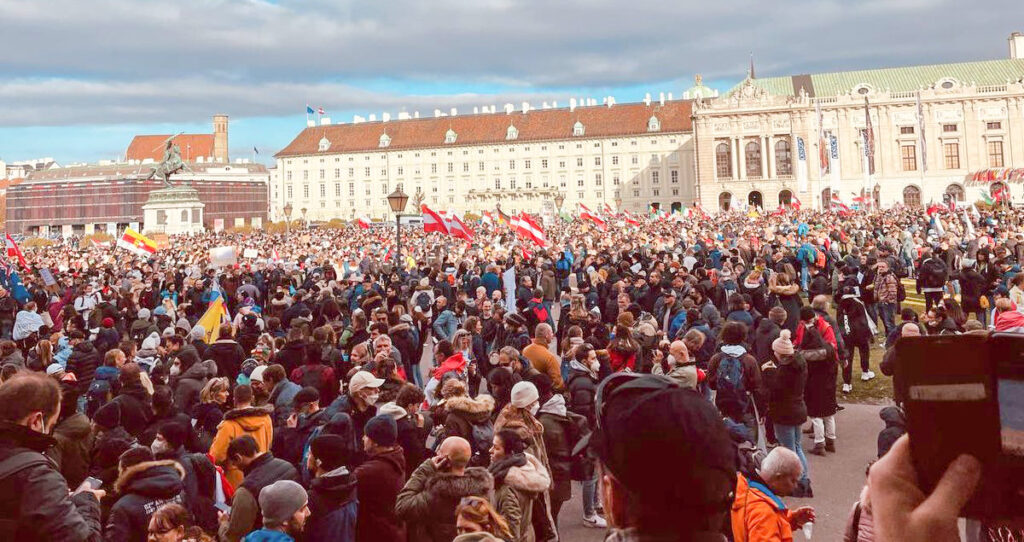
<point x="325" y="121"/>
<point x="373" y="117"/>
<point x="476" y="109"/>
<point x="404" y="115"/>
<point x="661" y="98"/>
<point x="220" y="138"/>
<point x="670" y="96"/>
<point x="526" y="107"/>
<point x="572" y="104"/>
<point x="1017" y="45"/>
<point x="455" y="112"/>
<point x="647" y="99"/>
<point x="309" y="123"/>
<point x="384" y="117"/>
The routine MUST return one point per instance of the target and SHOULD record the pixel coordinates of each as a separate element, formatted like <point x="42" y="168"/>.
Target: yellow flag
<point x="212" y="319"/>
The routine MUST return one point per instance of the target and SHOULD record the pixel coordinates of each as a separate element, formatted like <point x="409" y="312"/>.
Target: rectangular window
<point x="675" y="191"/>
<point x="615" y="180"/>
<point x="351" y="172"/>
<point x="481" y="166"/>
<point x="656" y="192"/>
<point x="527" y="164"/>
<point x="544" y="163"/>
<point x="323" y="190"/>
<point x="383" y="172"/>
<point x="597" y="179"/>
<point x="512" y="183"/>
<point x="289" y="175"/>
<point x="579" y="182"/>
<point x="337" y="190"/>
<point x="289" y="192"/>
<point x="949" y="127"/>
<point x="305" y="175"/>
<point x="906" y="130"/>
<point x="367" y="171"/>
<point x="305" y="191"/>
<point x="561" y="164"/>
<point x="351" y="190"/>
<point x="337" y="173"/>
<point x="433" y="168"/>
<point x="908" y="154"/>
<point x="401" y="170"/>
<point x="451" y="167"/>
<point x="636" y="159"/>
<point x="579" y="162"/>
<point x="579" y="195"/>
<point x="465" y="167"/>
<point x="636" y="193"/>
<point x="995" y="154"/>
<point x="674" y="175"/>
<point x="993" y="126"/>
<point x="511" y="164"/>
<point x="951" y="154"/>
<point x="654" y="177"/>
<point x="497" y="184"/>
<point x="615" y="160"/>
<point x="322" y="174"/>
<point x="597" y="160"/>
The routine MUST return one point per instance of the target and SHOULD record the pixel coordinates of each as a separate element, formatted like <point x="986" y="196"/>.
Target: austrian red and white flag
<point x="837" y="203"/>
<point x="274" y="255"/>
<point x="487" y="219"/>
<point x="795" y="203"/>
<point x="456" y="227"/>
<point x="531" y="229"/>
<point x="363" y="223"/>
<point x="608" y="210"/>
<point x="629" y="218"/>
<point x="586" y="214"/>
<point x="13" y="251"/>
<point x="432" y="221"/>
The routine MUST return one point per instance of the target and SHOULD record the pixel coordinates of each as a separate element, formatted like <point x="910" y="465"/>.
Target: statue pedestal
<point x="173" y="211"/>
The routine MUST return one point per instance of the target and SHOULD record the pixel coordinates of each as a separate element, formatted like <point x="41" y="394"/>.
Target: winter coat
<point x="333" y="507"/>
<point x="413" y="440"/>
<point x="582" y="388"/>
<point x="380" y="479"/>
<point x="245" y="510"/>
<point x="206" y="417"/>
<point x="252" y="421"/>
<point x="228" y="356"/>
<point x="558" y="434"/>
<point x="190" y="383"/>
<point x="141" y="489"/>
<point x="136" y="408"/>
<point x="427" y="502"/>
<point x="854" y="325"/>
<point x="895" y="427"/>
<point x="83" y="362"/>
<point x="291" y="356"/>
<point x="684" y="373"/>
<point x="515" y="492"/>
<point x="972" y="287"/>
<point x="544" y="361"/>
<point x="820" y="390"/>
<point x="789" y="299"/>
<point x="320" y="376"/>
<point x="107" y="447"/>
<point x="931" y="275"/>
<point x="766" y="333"/>
<point x="37" y="497"/>
<point x="751" y="374"/>
<point x="785" y="388"/>
<point x="758" y="514"/>
<point x="281" y="397"/>
<point x="463" y="412"/>
<point x="71" y="452"/>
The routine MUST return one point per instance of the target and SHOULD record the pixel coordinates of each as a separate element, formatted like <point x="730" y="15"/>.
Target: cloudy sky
<point x="79" y="78"/>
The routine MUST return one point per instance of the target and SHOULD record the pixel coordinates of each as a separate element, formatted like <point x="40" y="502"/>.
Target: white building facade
<point x="632" y="156"/>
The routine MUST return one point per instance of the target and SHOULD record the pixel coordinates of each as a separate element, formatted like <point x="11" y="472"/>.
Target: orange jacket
<point x="252" y="421"/>
<point x="758" y="515"/>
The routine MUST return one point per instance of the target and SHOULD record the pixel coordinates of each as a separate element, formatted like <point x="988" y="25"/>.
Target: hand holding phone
<point x="442" y="463"/>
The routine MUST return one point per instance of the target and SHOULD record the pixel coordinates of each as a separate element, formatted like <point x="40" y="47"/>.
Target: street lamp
<point x="288" y="216"/>
<point x="304" y="221"/>
<point x="559" y="200"/>
<point x="618" y="204"/>
<point x="397" y="201"/>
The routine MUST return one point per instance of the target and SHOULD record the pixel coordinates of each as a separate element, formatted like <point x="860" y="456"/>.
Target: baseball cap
<point x="364" y="379"/>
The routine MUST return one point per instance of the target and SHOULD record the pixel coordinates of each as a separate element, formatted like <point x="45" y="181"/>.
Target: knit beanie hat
<point x="524" y="394"/>
<point x="382" y="430"/>
<point x="143" y="314"/>
<point x="331" y="450"/>
<point x="280" y="500"/>
<point x="783" y="346"/>
<point x="198" y="332"/>
<point x="108" y="416"/>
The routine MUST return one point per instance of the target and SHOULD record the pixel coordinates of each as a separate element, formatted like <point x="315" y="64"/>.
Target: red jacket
<point x="824" y="329"/>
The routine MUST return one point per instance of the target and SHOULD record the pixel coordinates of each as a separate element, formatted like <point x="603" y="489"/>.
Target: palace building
<point x="955" y="129"/>
<point x="625" y="155"/>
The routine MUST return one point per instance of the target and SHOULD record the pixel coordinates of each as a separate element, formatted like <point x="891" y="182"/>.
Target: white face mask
<point x="159" y="447"/>
<point x="175" y="370"/>
<point x="372" y="399"/>
<point x="595" y="365"/>
<point x="534" y="408"/>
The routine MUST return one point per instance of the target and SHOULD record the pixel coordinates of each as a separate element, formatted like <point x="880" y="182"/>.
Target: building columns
<point x="742" y="157"/>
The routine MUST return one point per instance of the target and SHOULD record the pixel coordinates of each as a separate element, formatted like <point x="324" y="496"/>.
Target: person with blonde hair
<point x="208" y="414"/>
<point x="477" y="521"/>
<point x="173" y="523"/>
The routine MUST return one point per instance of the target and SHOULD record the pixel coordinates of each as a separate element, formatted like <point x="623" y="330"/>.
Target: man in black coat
<point x="227" y="354"/>
<point x="35" y="498"/>
<point x="143" y="485"/>
<point x="83" y="361"/>
<point x="261" y="470"/>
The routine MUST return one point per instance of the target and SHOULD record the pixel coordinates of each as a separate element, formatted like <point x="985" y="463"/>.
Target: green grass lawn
<point x="878" y="390"/>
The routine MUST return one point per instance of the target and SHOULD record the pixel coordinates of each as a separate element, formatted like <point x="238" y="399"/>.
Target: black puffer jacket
<point x="38" y="498"/>
<point x="136" y="408"/>
<point x="188" y="386"/>
<point x="142" y="489"/>
<point x="291" y="356"/>
<point x="582" y="389"/>
<point x="228" y="356"/>
<point x="71" y="453"/>
<point x="83" y="362"/>
<point x="785" y="385"/>
<point x="766" y="332"/>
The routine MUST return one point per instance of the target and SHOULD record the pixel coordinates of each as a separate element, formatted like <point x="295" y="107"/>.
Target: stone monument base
<point x="173" y="211"/>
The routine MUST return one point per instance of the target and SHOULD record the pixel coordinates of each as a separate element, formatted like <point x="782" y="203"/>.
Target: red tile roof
<point x="536" y="125"/>
<point x="152" y="147"/>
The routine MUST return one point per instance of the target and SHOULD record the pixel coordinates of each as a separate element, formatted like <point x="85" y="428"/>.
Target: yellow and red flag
<point x="134" y="241"/>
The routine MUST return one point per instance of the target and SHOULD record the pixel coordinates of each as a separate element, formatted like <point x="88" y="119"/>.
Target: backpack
<point x="422" y="301"/>
<point x="480" y="441"/>
<point x="819" y="259"/>
<point x="540" y="312"/>
<point x="749" y="458"/>
<point x="901" y="291"/>
<point x="96" y="396"/>
<point x="730" y="381"/>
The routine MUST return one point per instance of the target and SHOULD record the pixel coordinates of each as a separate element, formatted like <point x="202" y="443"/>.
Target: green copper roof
<point x="910" y="78"/>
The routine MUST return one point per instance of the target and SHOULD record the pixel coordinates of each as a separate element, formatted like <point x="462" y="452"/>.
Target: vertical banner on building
<point x="508" y="279"/>
<point x="823" y="143"/>
<point x="801" y="165"/>
<point x="833" y="153"/>
<point x="924" y="142"/>
<point x="218" y="225"/>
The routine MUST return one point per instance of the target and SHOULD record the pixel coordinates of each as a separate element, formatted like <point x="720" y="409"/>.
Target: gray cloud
<point x="128" y="60"/>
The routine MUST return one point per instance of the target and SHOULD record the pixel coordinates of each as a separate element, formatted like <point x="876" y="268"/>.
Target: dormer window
<point x="385" y="141"/>
<point x="863" y="89"/>
<point x="324" y="144"/>
<point x="450" y="136"/>
<point x="512" y="133"/>
<point x="653" y="124"/>
<point x="578" y="129"/>
<point x="946" y="83"/>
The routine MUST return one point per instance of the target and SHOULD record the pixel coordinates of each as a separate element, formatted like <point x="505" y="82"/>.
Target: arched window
<point x="653" y="124"/>
<point x="450" y="136"/>
<point x="184" y="216"/>
<point x="783" y="157"/>
<point x="724" y="201"/>
<point x="956" y="192"/>
<point x="578" y="129"/>
<point x="385" y="140"/>
<point x="755" y="199"/>
<point x="324" y="144"/>
<point x="826" y="198"/>
<point x="723" y="160"/>
<point x="512" y="133"/>
<point x="752" y="156"/>
<point x="912" y="196"/>
<point x="785" y="198"/>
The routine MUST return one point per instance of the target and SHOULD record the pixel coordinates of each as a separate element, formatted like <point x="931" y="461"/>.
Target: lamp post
<point x="304" y="221"/>
<point x="288" y="217"/>
<point x="397" y="201"/>
<point x="559" y="200"/>
<point x="618" y="204"/>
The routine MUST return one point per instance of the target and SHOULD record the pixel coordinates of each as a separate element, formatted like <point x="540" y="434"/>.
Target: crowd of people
<point x="665" y="371"/>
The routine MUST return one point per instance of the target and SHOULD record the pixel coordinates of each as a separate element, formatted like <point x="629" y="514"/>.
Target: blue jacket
<point x="678" y="322"/>
<point x="445" y="325"/>
<point x="333" y="506"/>
<point x="266" y="535"/>
<point x="491" y="281"/>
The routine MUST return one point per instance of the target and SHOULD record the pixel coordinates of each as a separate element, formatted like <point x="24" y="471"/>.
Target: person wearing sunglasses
<point x="667" y="464"/>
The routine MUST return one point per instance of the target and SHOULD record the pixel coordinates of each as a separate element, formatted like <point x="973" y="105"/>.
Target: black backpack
<point x="481" y="439"/>
<point x="422" y="301"/>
